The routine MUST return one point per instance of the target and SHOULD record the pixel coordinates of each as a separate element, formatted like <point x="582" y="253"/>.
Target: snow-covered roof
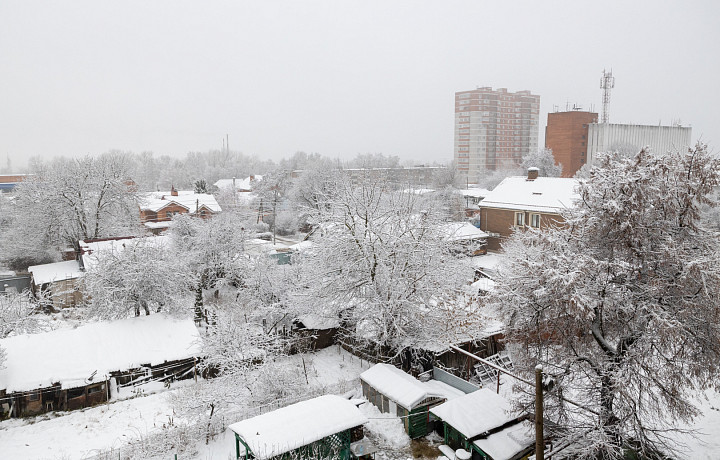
<point x="71" y="356"/>
<point x="544" y="194"/>
<point x="505" y="444"/>
<point x="462" y="413"/>
<point x="474" y="192"/>
<point x="297" y="425"/>
<point x="481" y="285"/>
<point x="240" y="184"/>
<point x="59" y="271"/>
<point x="319" y="322"/>
<point x="155" y="225"/>
<point x="90" y="252"/>
<point x="489" y="261"/>
<point x="463" y="231"/>
<point x="419" y="191"/>
<point x="404" y="389"/>
<point x="188" y="199"/>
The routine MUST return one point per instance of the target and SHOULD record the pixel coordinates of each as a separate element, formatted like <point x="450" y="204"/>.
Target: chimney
<point x="173" y="192"/>
<point x="533" y="173"/>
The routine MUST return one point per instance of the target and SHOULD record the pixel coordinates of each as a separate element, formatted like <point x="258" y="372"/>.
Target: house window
<point x="34" y="396"/>
<point x="520" y="219"/>
<point x="535" y="220"/>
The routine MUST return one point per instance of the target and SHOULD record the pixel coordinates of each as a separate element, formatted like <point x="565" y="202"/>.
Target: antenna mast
<point x="607" y="82"/>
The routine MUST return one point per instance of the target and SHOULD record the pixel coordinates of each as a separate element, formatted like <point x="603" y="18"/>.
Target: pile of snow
<point x="71" y="356"/>
<point x="386" y="430"/>
<point x="297" y="425"/>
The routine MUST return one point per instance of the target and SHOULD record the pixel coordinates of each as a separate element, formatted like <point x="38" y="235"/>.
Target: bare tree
<point x="622" y="303"/>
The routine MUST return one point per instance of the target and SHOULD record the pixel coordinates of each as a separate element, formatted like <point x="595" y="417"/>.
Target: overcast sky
<point x="334" y="77"/>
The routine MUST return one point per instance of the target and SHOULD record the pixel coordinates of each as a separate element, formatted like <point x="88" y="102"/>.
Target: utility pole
<point x="539" y="441"/>
<point x="275" y="215"/>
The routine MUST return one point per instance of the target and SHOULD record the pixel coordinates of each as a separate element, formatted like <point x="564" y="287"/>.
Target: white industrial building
<point x="603" y="137"/>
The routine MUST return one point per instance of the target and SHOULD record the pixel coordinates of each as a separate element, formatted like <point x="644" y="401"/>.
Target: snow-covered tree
<point x="622" y="304"/>
<point x="140" y="275"/>
<point x="381" y="264"/>
<point x="543" y="160"/>
<point x="70" y="200"/>
<point x="212" y="250"/>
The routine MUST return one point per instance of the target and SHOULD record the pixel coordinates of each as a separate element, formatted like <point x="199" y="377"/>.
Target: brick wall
<point x="502" y="221"/>
<point x="567" y="135"/>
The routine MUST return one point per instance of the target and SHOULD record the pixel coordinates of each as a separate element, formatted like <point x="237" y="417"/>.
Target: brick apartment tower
<point x="567" y="135"/>
<point x="493" y="128"/>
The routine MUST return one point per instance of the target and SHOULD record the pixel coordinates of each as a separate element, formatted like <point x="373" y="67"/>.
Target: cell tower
<point x="607" y="82"/>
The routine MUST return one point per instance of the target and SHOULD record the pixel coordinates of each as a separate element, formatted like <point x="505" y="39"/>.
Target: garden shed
<point x="393" y="391"/>
<point x="485" y="424"/>
<point x="325" y="425"/>
<point x="68" y="369"/>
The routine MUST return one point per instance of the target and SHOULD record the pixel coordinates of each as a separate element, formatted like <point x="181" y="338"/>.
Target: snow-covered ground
<point x="84" y="433"/>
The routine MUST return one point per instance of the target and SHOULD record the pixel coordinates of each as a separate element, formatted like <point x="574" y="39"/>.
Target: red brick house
<point x="158" y="208"/>
<point x="522" y="202"/>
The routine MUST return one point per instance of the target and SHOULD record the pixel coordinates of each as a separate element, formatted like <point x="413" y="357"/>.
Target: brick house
<point x="521" y="202"/>
<point x="158" y="208"/>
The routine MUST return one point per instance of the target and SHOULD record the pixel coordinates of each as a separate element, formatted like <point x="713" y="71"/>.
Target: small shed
<point x="320" y="331"/>
<point x="326" y="425"/>
<point x="61" y="280"/>
<point x="69" y="369"/>
<point x="393" y="391"/>
<point x="485" y="424"/>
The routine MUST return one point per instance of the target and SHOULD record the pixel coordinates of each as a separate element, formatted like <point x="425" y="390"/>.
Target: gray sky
<point x="334" y="77"/>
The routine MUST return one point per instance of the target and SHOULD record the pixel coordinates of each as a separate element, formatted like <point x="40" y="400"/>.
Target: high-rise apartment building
<point x="494" y="128"/>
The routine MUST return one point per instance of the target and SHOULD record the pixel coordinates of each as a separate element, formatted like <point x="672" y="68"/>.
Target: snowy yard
<point x="84" y="433"/>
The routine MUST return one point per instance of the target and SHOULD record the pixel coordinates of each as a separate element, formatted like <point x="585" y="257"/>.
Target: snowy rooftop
<point x="544" y="194"/>
<point x="505" y="444"/>
<point x="462" y="413"/>
<point x="297" y="425"/>
<point x="474" y="192"/>
<point x="188" y="199"/>
<point x="93" y="250"/>
<point x="59" y="271"/>
<point x="70" y="356"/>
<point x="319" y="322"/>
<point x="462" y="231"/>
<point x="240" y="184"/>
<point x="404" y="389"/>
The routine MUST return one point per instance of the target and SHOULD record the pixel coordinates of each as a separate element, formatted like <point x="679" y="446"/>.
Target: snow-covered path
<point x="79" y="433"/>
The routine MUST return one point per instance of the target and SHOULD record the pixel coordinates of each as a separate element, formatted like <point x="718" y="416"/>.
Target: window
<point x="520" y="219"/>
<point x="92" y="390"/>
<point x="75" y="392"/>
<point x="34" y="396"/>
<point x="535" y="220"/>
